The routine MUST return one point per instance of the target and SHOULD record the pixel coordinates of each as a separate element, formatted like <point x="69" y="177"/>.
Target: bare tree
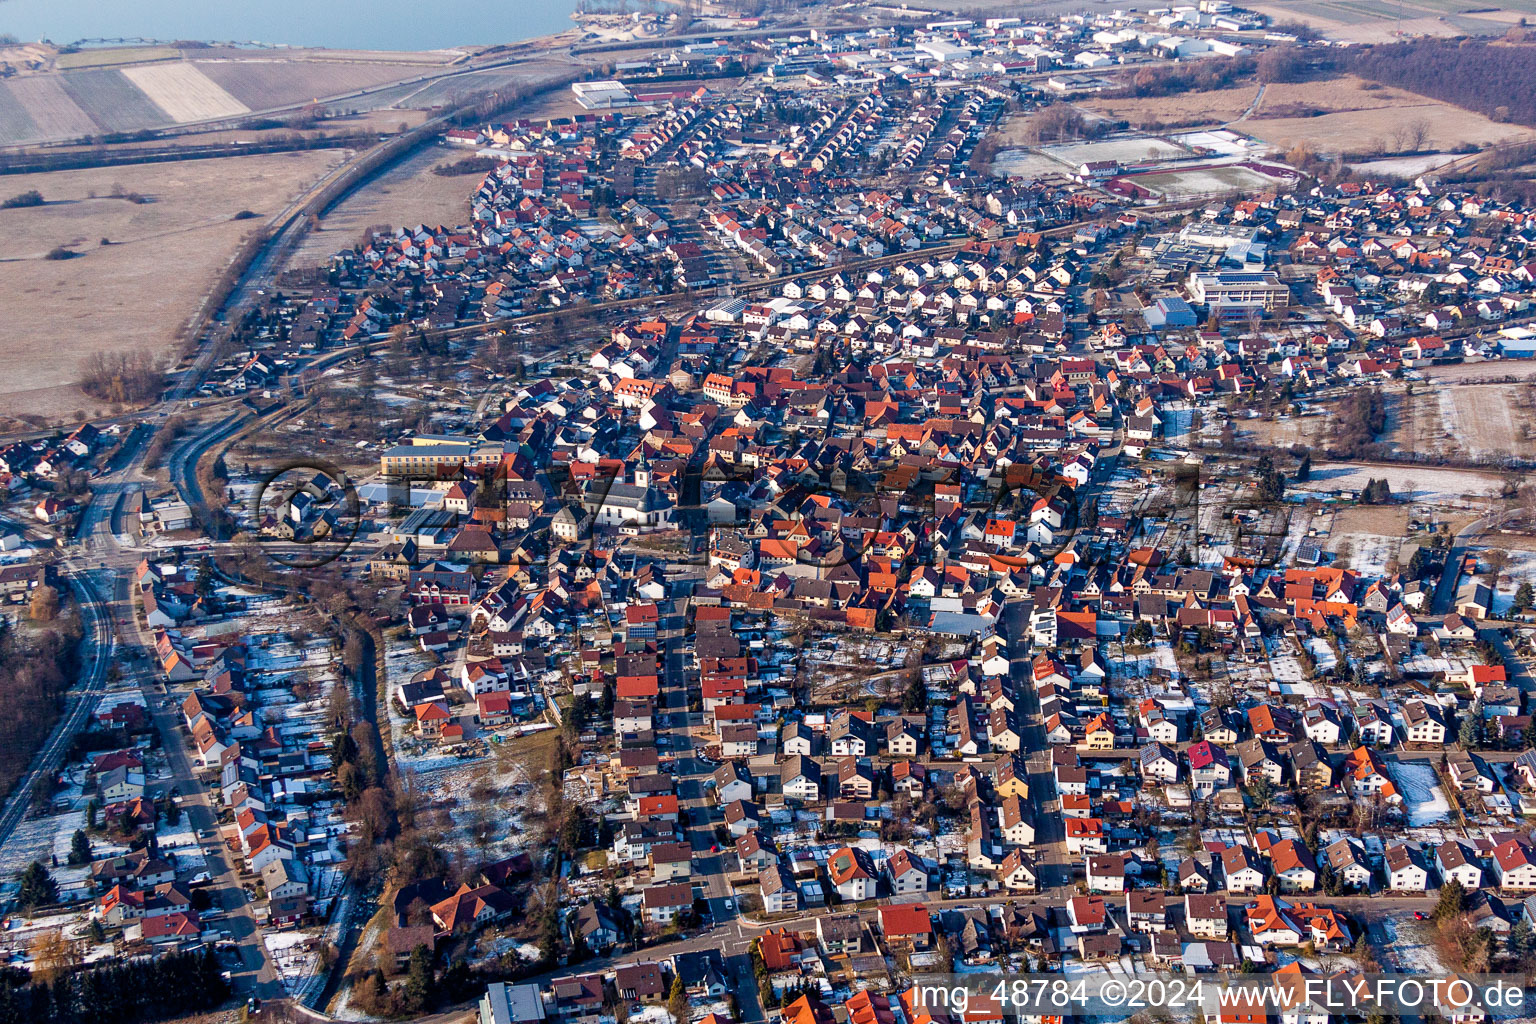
<point x="1497" y="560"/>
<point x="1418" y="134"/>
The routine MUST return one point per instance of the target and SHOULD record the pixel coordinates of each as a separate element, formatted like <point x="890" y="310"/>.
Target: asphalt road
<point x="1450" y="577"/>
<point x="256" y="974"/>
<point x="81" y="699"/>
<point x="115" y="637"/>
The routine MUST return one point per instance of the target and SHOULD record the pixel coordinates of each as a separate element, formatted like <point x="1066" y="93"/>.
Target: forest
<point x="36" y="667"/>
<point x="125" y="992"/>
<point x="1492" y="79"/>
<point x="1197" y="77"/>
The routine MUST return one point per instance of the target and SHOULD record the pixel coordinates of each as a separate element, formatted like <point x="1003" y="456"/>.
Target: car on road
<point x="201" y="878"/>
<point x="1418" y="915"/>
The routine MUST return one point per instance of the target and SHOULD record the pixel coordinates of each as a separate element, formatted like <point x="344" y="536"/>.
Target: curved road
<point x="1450" y="577"/>
<point x="81" y="699"/>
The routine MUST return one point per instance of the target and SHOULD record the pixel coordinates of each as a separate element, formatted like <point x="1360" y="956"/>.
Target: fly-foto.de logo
<point x="304" y="514"/>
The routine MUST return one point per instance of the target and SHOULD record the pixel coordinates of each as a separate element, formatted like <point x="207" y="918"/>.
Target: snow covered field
<point x="1410" y="947"/>
<point x="1420" y="483"/>
<point x="1423" y="801"/>
<point x="1522" y="569"/>
<point x="1369" y="552"/>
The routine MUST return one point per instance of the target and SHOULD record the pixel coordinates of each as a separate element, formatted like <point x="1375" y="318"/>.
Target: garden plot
<point x="482" y="806"/>
<point x="40" y="839"/>
<point x="295" y="956"/>
<point x="1286" y="669"/>
<point x="1177" y="423"/>
<point x="1322" y="654"/>
<point x="1366" y="538"/>
<point x="1300" y="530"/>
<point x="1410" y="946"/>
<point x="1521" y="569"/>
<point x="1142" y="665"/>
<point x="184" y="92"/>
<point x="17" y="939"/>
<point x="1368" y="554"/>
<point x="1423" y="801"/>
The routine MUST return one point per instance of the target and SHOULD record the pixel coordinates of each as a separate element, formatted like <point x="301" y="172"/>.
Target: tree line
<point x="126" y="992"/>
<point x="121" y="377"/>
<point x="35" y="670"/>
<point x="468" y="165"/>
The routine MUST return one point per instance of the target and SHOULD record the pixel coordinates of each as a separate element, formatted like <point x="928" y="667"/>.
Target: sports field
<point x="1189" y="184"/>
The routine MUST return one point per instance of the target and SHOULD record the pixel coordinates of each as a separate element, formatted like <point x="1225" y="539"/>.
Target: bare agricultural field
<point x="50" y="108"/>
<point x="1417" y="483"/>
<point x="111" y="100"/>
<point x="1497" y="369"/>
<point x="15" y="125"/>
<point x="380" y="122"/>
<point x="1378" y="21"/>
<point x="456" y="88"/>
<point x="1476" y="420"/>
<point x="264" y="84"/>
<point x="1386" y="519"/>
<point x="1371" y="130"/>
<point x="406" y="194"/>
<point x="1217" y="106"/>
<point x="135" y="293"/>
<point x="114" y="56"/>
<point x="1343" y="114"/>
<point x="1345" y="92"/>
<point x="1311" y="431"/>
<point x="302" y="53"/>
<point x="184" y="92"/>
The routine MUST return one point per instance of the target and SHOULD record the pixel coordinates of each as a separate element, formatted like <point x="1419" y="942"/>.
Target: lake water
<point x="337" y="24"/>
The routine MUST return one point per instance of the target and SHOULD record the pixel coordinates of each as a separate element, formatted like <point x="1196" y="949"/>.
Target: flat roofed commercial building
<point x="511" y="1004"/>
<point x="420" y="459"/>
<point x="1239" y="290"/>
